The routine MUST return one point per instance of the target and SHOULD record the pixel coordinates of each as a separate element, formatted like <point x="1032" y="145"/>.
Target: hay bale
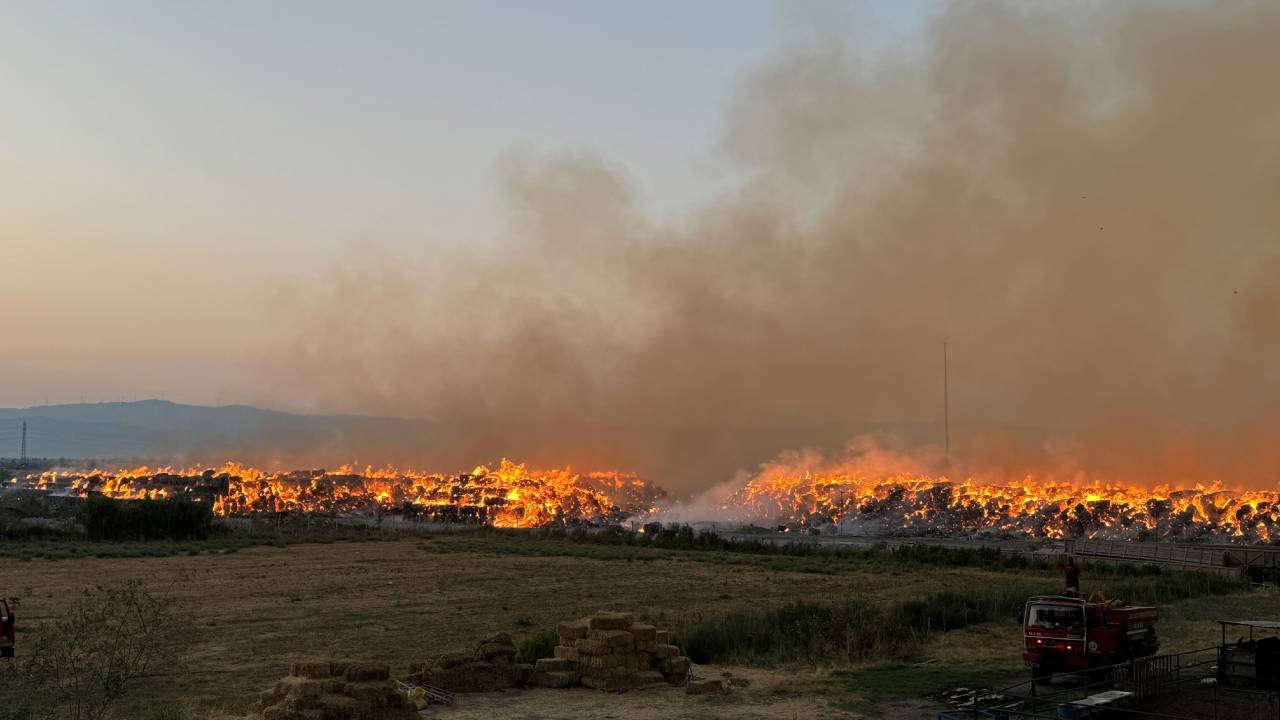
<point x="646" y="678"/>
<point x="608" y="620"/>
<point x="704" y="687"/>
<point x="587" y="646"/>
<point x="601" y="661"/>
<point x="298" y="687"/>
<point x="333" y="685"/>
<point x="488" y="682"/>
<point x="552" y="665"/>
<point x="565" y="652"/>
<point x="572" y="629"/>
<point x="491" y="650"/>
<point x="340" y="706"/>
<point x="314" y="669"/>
<point x="663" y="637"/>
<point x="613" y="638"/>
<point x="675" y="665"/>
<point x="643" y="632"/>
<point x="452" y="660"/>
<point x="556" y="679"/>
<point x="295" y="705"/>
<point x="364" y="672"/>
<point x="500" y="638"/>
<point x="369" y="692"/>
<point x="333" y="698"/>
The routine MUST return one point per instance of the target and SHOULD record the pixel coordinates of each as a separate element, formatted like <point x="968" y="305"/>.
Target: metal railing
<point x="1223" y="559"/>
<point x="1143" y="677"/>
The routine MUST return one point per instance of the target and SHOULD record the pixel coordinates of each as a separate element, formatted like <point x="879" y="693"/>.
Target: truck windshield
<point x="1055" y="617"/>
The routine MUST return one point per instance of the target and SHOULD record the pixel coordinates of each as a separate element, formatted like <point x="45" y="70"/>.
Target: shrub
<point x="80" y="665"/>
<point x="802" y="631"/>
<point x="167" y="519"/>
<point x="539" y="645"/>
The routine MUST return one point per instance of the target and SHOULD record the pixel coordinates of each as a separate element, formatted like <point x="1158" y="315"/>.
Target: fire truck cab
<point x="1067" y="634"/>
<point x="6" y="628"/>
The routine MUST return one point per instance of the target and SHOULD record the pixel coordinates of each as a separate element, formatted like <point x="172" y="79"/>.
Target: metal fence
<point x="1142" y="679"/>
<point x="1224" y="559"/>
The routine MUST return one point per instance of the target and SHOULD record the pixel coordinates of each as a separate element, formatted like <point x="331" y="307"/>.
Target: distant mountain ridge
<point x="163" y="429"/>
<point x="159" y="432"/>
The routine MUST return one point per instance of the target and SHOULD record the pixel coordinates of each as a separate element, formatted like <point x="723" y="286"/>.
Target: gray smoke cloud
<point x="1082" y="199"/>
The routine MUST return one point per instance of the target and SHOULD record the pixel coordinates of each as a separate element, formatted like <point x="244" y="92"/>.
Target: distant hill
<point x="166" y="430"/>
<point x="161" y="432"/>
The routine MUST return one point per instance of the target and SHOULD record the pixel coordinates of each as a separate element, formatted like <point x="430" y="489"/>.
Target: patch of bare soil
<point x="753" y="694"/>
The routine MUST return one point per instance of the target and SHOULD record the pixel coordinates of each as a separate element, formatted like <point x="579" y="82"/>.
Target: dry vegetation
<point x="405" y="601"/>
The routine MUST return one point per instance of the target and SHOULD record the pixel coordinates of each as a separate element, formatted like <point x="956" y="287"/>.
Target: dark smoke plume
<point x="1083" y="199"/>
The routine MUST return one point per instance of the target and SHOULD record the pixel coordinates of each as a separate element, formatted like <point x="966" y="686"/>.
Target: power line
<point x="946" y="405"/>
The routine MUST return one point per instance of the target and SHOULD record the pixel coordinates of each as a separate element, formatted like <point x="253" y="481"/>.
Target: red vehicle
<point x="6" y="627"/>
<point x="1065" y="634"/>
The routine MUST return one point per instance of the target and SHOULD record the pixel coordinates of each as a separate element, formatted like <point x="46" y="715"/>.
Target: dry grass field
<point x="405" y="601"/>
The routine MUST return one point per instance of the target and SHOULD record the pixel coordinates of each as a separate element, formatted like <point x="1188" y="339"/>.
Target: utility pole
<point x="946" y="406"/>
<point x="22" y="458"/>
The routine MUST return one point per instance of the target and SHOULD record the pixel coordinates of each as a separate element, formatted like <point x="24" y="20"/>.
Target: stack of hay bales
<point x="611" y="651"/>
<point x="327" y="690"/>
<point x="491" y="666"/>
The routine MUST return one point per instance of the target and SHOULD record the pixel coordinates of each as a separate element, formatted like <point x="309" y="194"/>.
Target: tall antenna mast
<point x="946" y="405"/>
<point x="22" y="458"/>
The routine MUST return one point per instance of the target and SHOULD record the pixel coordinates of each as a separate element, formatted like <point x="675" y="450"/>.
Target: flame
<point x="511" y="495"/>
<point x="919" y="504"/>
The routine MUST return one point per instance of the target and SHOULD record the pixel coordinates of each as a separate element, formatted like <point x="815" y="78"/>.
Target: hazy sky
<point x="163" y="165"/>
<point x="741" y="227"/>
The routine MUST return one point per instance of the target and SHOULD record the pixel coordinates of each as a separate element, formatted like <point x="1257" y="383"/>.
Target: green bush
<point x="810" y="632"/>
<point x="167" y="519"/>
<point x="539" y="645"/>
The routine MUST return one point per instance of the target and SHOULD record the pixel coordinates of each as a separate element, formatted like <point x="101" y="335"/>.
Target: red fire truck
<point x="6" y="627"/>
<point x="1066" y="634"/>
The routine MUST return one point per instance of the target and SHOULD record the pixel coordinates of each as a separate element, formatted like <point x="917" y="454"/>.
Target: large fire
<point x="916" y="505"/>
<point x="511" y="495"/>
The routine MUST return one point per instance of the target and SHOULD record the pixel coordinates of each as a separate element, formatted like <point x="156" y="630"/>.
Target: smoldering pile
<point x="926" y="506"/>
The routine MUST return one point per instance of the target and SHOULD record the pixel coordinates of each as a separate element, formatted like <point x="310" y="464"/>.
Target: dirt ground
<point x="400" y="602"/>
<point x="755" y="697"/>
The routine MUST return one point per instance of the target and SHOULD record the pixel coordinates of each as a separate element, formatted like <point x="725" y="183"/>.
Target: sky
<point x="165" y="166"/>
<point x="678" y="237"/>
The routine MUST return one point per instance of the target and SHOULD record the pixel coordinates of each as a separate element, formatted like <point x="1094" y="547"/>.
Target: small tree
<point x="80" y="665"/>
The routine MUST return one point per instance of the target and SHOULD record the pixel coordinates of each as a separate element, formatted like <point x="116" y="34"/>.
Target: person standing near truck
<point x="1072" y="573"/>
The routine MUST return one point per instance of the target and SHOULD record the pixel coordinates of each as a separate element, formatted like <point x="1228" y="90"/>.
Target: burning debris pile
<point x="509" y="496"/>
<point x="918" y="505"/>
<point x="512" y="495"/>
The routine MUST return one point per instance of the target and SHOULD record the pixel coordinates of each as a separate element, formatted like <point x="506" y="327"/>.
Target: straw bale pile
<point x="611" y="651"/>
<point x="491" y="666"/>
<point x="330" y="690"/>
